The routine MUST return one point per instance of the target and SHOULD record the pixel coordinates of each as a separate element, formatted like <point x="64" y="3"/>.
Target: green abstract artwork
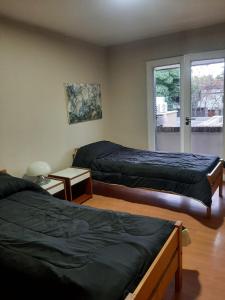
<point x="83" y="102"/>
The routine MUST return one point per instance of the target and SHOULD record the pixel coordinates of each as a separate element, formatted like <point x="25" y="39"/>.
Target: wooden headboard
<point x="75" y="152"/>
<point x="3" y="171"/>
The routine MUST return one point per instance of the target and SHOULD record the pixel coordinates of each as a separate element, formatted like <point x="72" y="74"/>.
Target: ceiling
<point x="110" y="22"/>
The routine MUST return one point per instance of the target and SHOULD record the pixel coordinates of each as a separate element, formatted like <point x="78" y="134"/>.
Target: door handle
<point x="188" y="120"/>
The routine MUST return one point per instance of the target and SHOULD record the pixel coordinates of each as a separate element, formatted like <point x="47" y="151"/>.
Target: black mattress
<point x="181" y="173"/>
<point x="48" y="244"/>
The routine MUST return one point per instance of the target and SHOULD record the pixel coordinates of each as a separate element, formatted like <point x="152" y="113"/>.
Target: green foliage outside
<point x="168" y="86"/>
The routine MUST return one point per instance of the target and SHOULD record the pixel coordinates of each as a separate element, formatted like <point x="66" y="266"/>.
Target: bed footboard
<point x="215" y="178"/>
<point x="167" y="264"/>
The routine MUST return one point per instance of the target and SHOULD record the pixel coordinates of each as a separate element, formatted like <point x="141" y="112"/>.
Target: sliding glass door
<point x="207" y="104"/>
<point x="186" y="103"/>
<point x="167" y="107"/>
<point x="164" y="104"/>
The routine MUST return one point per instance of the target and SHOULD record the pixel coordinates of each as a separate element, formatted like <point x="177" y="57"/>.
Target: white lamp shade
<point x="38" y="168"/>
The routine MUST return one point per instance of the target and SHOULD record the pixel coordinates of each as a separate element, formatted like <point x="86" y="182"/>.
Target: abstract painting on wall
<point x="84" y="102"/>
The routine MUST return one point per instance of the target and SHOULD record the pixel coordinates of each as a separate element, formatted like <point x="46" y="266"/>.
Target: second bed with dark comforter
<point x="181" y="173"/>
<point x="87" y="253"/>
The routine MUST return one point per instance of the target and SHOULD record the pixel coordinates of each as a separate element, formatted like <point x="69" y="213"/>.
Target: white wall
<point x="34" y="65"/>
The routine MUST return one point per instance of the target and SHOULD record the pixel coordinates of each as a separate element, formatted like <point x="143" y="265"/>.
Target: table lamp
<point x="39" y="169"/>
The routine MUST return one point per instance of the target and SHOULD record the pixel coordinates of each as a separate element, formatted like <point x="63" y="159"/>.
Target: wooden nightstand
<point x="56" y="187"/>
<point x="78" y="183"/>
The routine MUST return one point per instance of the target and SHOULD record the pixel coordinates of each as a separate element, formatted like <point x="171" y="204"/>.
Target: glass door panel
<point x="167" y="107"/>
<point x="207" y="100"/>
<point x="186" y="103"/>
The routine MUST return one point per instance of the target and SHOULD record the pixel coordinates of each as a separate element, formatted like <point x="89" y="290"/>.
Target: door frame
<point x="151" y="120"/>
<point x="185" y="95"/>
<point x="219" y="54"/>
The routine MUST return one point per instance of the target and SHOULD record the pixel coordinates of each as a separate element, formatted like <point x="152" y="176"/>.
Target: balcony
<point x="206" y="133"/>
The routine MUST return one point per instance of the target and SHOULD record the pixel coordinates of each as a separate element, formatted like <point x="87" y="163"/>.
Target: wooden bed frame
<point x="215" y="178"/>
<point x="167" y="264"/>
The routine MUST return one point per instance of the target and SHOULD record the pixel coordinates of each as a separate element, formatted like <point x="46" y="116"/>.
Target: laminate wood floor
<point x="204" y="259"/>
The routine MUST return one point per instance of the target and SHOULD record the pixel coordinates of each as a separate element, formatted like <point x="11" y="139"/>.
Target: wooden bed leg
<point x="208" y="212"/>
<point x="178" y="280"/>
<point x="221" y="189"/>
<point x="178" y="274"/>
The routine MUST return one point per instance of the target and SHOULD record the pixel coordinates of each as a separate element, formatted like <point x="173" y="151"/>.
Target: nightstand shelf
<point x="56" y="187"/>
<point x="78" y="183"/>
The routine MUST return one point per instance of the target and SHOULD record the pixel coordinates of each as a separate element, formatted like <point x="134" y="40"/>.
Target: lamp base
<point x="41" y="180"/>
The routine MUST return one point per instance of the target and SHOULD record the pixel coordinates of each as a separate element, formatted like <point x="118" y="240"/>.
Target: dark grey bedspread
<point x="85" y="253"/>
<point x="181" y="173"/>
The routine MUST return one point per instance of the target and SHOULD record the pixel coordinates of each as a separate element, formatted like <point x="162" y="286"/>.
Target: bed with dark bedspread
<point x="87" y="253"/>
<point x="181" y="173"/>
